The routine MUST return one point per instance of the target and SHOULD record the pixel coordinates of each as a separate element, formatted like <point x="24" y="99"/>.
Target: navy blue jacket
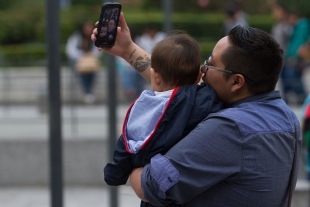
<point x="187" y="107"/>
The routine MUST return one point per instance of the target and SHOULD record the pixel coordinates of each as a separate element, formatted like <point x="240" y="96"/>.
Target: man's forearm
<point x="135" y="182"/>
<point x="139" y="60"/>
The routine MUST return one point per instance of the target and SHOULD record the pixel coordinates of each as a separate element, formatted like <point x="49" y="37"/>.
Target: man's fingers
<point x="95" y="31"/>
<point x="122" y="22"/>
<point x="93" y="37"/>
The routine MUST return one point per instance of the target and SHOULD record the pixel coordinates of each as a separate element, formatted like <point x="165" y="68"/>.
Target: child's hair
<point x="177" y="59"/>
<point x="104" y="26"/>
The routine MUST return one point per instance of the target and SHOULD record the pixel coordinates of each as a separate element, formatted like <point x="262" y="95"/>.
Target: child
<point x="158" y="119"/>
<point x="103" y="31"/>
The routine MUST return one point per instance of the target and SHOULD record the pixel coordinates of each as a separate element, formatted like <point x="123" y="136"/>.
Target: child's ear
<point x="198" y="77"/>
<point x="156" y="77"/>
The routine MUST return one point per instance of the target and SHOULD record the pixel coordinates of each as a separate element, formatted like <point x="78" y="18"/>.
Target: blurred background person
<point x="150" y="37"/>
<point x="80" y="50"/>
<point x="304" y="52"/>
<point x="132" y="82"/>
<point x="234" y="16"/>
<point x="281" y="30"/>
<point x="292" y="72"/>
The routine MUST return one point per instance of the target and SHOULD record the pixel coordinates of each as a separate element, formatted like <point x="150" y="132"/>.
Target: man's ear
<point x="156" y="77"/>
<point x="238" y="82"/>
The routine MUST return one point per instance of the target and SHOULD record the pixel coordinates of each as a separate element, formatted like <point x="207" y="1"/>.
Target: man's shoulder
<point x="254" y="117"/>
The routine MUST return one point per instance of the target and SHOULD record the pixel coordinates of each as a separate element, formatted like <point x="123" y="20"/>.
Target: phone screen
<point x="108" y="22"/>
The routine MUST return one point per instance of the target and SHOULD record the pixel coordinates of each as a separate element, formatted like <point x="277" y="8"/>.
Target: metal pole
<point x="55" y="144"/>
<point x="112" y="104"/>
<point x="73" y="99"/>
<point x="6" y="91"/>
<point x="167" y="8"/>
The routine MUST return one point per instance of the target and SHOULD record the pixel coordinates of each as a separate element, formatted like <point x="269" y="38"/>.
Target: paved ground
<point x="87" y="197"/>
<point x="73" y="197"/>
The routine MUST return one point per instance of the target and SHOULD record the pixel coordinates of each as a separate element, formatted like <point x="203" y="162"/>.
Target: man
<point x="240" y="156"/>
<point x="111" y="27"/>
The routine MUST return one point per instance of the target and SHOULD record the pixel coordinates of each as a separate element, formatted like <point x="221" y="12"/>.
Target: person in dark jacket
<point x="175" y="106"/>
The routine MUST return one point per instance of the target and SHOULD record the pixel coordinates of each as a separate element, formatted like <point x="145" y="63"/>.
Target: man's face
<point x="111" y="25"/>
<point x="216" y="78"/>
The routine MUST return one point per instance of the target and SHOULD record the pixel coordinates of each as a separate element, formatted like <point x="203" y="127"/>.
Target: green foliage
<point x="5" y="4"/>
<point x="302" y="7"/>
<point x="250" y="6"/>
<point x="28" y="54"/>
<point x="22" y="36"/>
<point x="207" y="26"/>
<point x="88" y="2"/>
<point x="72" y="19"/>
<point x="19" y="26"/>
<point x="151" y="5"/>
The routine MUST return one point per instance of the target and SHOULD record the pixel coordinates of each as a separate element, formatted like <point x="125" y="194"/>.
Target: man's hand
<point x="123" y="39"/>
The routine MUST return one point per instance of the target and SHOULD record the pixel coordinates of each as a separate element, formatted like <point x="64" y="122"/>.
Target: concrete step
<point x="24" y="144"/>
<point x="28" y="85"/>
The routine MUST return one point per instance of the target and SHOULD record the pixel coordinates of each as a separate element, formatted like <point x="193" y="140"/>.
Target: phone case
<point x="108" y="22"/>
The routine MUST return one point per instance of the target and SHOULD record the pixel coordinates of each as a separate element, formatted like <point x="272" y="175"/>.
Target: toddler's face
<point x="103" y="31"/>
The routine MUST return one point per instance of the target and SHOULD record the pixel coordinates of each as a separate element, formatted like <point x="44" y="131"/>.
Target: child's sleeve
<point x="117" y="172"/>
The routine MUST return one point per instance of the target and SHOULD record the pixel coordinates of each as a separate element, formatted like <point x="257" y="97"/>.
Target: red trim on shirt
<point x="124" y="126"/>
<point x="156" y="126"/>
<point x="307" y="111"/>
<point x="161" y="117"/>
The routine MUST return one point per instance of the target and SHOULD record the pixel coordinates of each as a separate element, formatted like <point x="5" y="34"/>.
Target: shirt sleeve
<point x="206" y="156"/>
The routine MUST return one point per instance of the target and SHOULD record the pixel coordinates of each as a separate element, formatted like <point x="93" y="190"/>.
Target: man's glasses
<point x="206" y="67"/>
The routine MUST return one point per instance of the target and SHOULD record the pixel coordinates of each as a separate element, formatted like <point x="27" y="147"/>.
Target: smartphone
<point x="108" y="22"/>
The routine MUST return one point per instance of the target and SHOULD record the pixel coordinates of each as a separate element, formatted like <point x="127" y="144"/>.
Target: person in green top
<point x="292" y="72"/>
<point x="304" y="52"/>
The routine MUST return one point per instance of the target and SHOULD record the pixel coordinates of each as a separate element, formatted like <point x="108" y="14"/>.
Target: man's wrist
<point x="129" y="52"/>
<point x="137" y="58"/>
